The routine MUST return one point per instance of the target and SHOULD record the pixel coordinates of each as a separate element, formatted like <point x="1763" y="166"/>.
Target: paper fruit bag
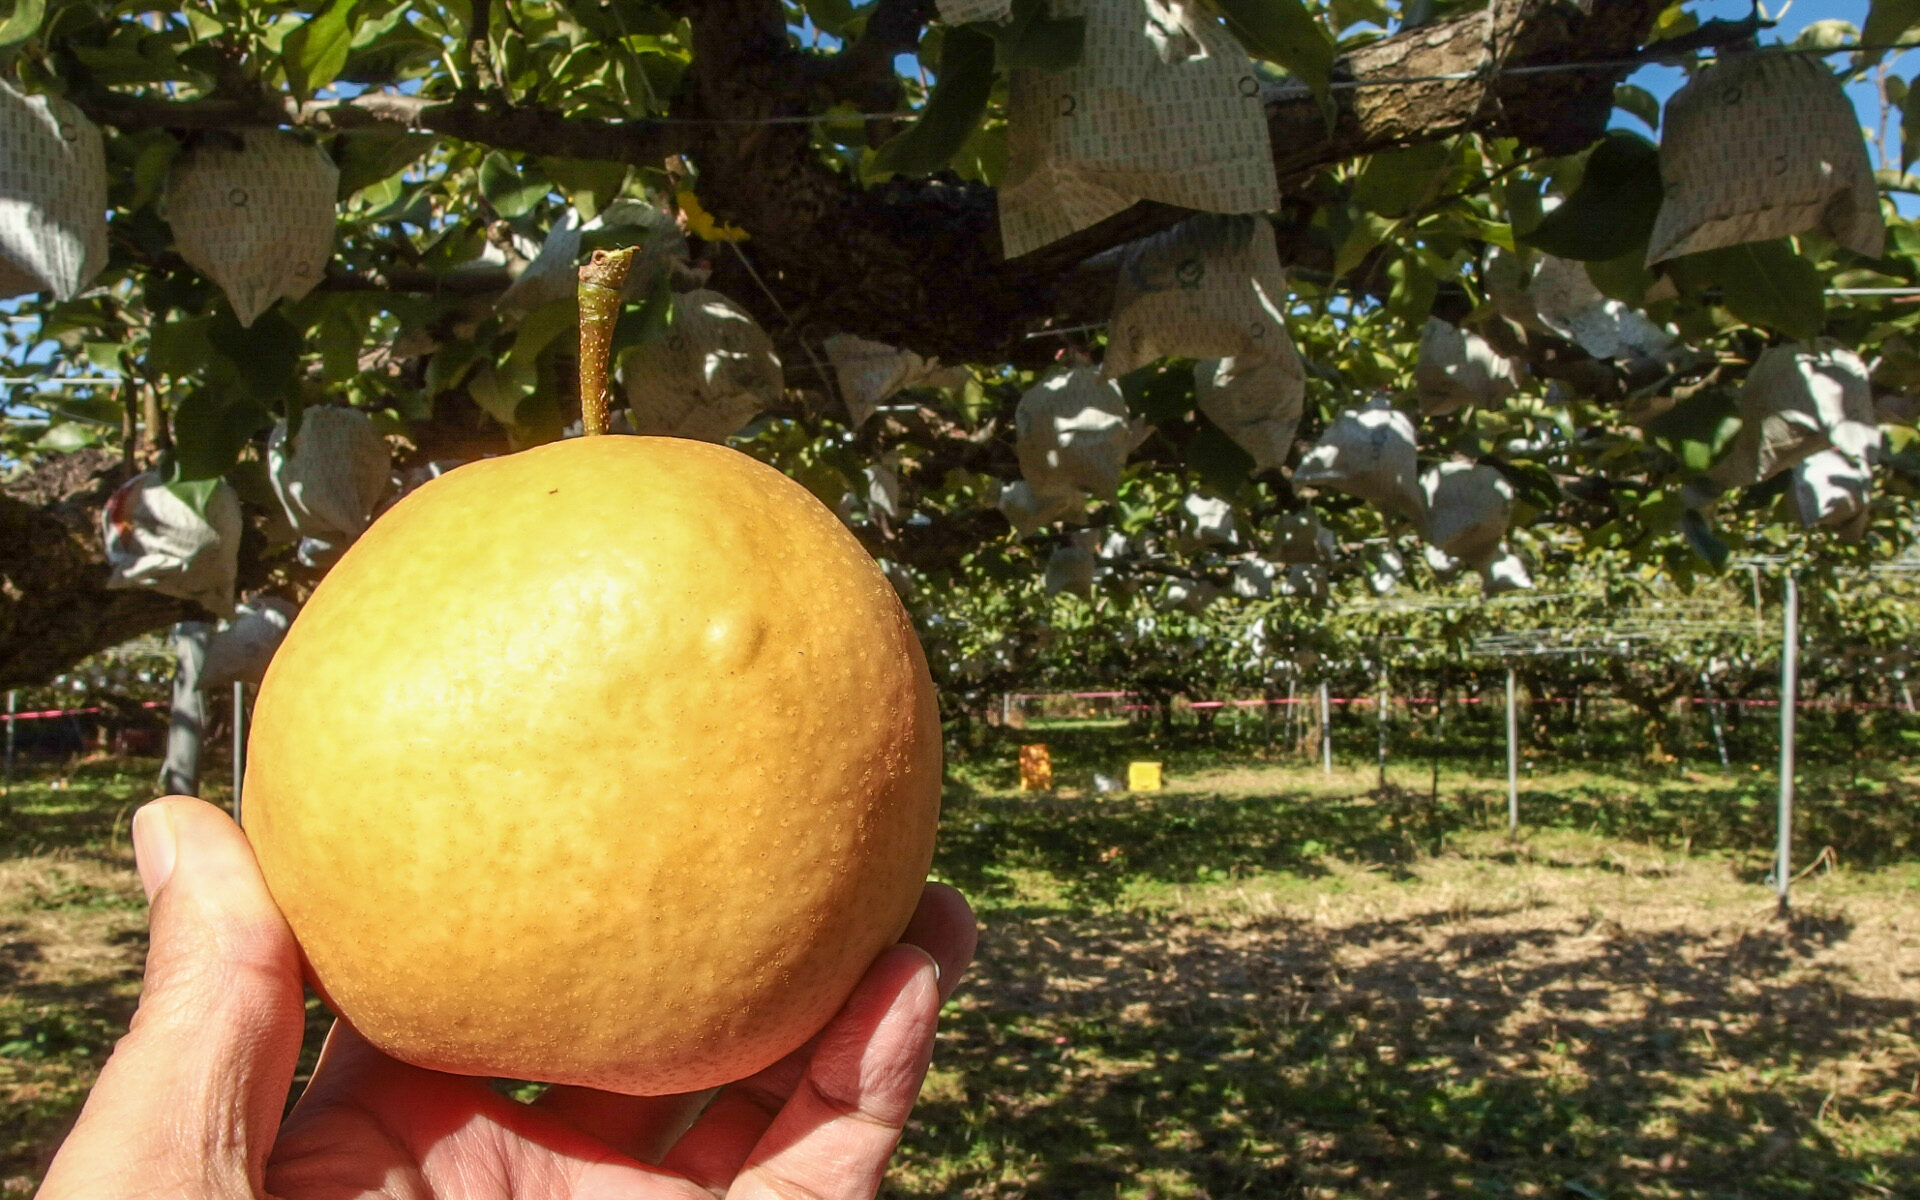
<point x="154" y="539"/>
<point x="1457" y="368"/>
<point x="239" y="651"/>
<point x="53" y="196"/>
<point x="870" y="373"/>
<point x="1071" y="430"/>
<point x="331" y="478"/>
<point x="257" y="218"/>
<point x="1760" y="146"/>
<point x="1369" y="452"/>
<point x="1256" y="402"/>
<point x="1164" y="105"/>
<point x="709" y="374"/>
<point x="1209" y="287"/>
<point x="1799" y="399"/>
<point x="1468" y="507"/>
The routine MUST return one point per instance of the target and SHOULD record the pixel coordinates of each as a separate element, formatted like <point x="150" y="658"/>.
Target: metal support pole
<point x="1713" y="715"/>
<point x="13" y="706"/>
<point x="1383" y="721"/>
<point x="1789" y="699"/>
<point x="1326" y="731"/>
<point x="1513" y="757"/>
<point x="239" y="743"/>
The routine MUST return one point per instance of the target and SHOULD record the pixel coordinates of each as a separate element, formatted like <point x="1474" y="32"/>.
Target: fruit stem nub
<point x="602" y="280"/>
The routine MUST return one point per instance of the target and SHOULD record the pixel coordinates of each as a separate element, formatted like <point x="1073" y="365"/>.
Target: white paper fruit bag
<point x="238" y="652"/>
<point x="1028" y="510"/>
<point x="1257" y="402"/>
<point x="1468" y="507"/>
<point x="709" y="374"/>
<point x="1208" y="520"/>
<point x="53" y="196"/>
<point x="1299" y="537"/>
<point x="1457" y="368"/>
<point x="1071" y="430"/>
<point x="1370" y="453"/>
<point x="870" y="373"/>
<point x="554" y="272"/>
<point x="330" y="479"/>
<point x="1566" y="302"/>
<point x="1507" y="572"/>
<point x="1760" y="146"/>
<point x="1253" y="579"/>
<point x="1070" y="569"/>
<point x="1164" y="105"/>
<point x="257" y="218"/>
<point x="154" y="539"/>
<point x="1799" y="399"/>
<point x="959" y="12"/>
<point x="1833" y="490"/>
<point x="1209" y="287"/>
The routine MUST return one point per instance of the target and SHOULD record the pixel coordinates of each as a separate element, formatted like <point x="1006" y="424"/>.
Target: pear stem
<point x="602" y="280"/>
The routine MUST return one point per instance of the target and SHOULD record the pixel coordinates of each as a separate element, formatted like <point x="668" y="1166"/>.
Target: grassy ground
<point x="1267" y="982"/>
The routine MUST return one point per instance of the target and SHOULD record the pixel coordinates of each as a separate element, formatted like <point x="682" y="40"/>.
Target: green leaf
<point x="196" y="493"/>
<point x="1887" y="20"/>
<point x="1217" y="459"/>
<point x="1625" y="279"/>
<point x="832" y="16"/>
<point x="1827" y="35"/>
<point x="1639" y="102"/>
<point x="1160" y="392"/>
<point x="1396" y="181"/>
<point x="24" y="22"/>
<point x="1036" y="39"/>
<point x="1700" y="535"/>
<point x="590" y="186"/>
<point x="179" y="349"/>
<point x="315" y="52"/>
<point x="1358" y="240"/>
<point x="100" y="408"/>
<point x="642" y="323"/>
<point x="511" y="193"/>
<point x="210" y="428"/>
<point x="367" y="156"/>
<point x="1613" y="209"/>
<point x="68" y="436"/>
<point x="948" y="119"/>
<point x="264" y="359"/>
<point x="1697" y="430"/>
<point x="1285" y="32"/>
<point x="1353" y="12"/>
<point x="104" y="355"/>
<point x="1762" y="283"/>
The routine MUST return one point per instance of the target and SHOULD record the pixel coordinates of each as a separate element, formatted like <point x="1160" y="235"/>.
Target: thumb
<point x="189" y="1102"/>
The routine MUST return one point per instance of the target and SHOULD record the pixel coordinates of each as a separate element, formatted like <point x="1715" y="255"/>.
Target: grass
<point x="1264" y="981"/>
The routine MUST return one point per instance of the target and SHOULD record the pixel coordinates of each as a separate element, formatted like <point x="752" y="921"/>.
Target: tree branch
<point x="489" y="122"/>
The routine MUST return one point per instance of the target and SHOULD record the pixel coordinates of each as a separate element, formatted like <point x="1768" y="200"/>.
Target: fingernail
<point x="936" y="969"/>
<point x="153" y="848"/>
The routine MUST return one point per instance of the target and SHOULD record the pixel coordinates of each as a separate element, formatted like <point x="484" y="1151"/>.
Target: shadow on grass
<point x="1426" y="1056"/>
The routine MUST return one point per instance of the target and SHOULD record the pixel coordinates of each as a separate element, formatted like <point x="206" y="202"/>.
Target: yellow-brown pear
<point x="613" y="762"/>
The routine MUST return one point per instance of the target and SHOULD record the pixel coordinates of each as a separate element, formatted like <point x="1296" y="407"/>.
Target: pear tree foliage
<point x="1513" y="207"/>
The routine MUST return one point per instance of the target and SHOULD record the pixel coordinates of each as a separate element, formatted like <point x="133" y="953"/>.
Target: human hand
<point x="189" y="1105"/>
